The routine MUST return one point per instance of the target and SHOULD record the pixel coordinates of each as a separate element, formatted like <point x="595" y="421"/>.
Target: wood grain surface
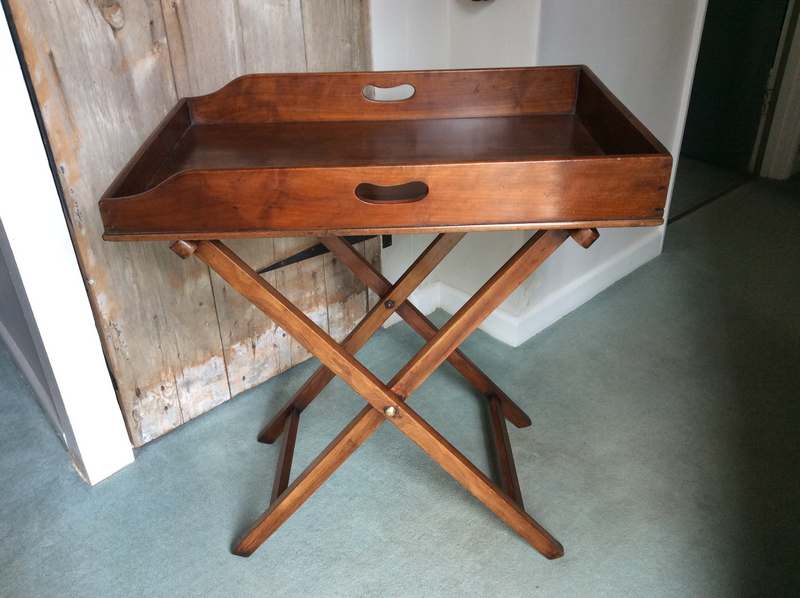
<point x="599" y="192"/>
<point x="470" y="150"/>
<point x="105" y="74"/>
<point x="299" y="97"/>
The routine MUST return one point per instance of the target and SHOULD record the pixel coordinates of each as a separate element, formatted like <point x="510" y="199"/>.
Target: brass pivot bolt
<point x="390" y="411"/>
<point x="389" y="304"/>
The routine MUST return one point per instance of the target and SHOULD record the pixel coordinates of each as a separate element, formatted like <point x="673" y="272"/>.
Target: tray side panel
<point x="138" y="174"/>
<point x="438" y="94"/>
<point x="591" y="191"/>
<point x="611" y="124"/>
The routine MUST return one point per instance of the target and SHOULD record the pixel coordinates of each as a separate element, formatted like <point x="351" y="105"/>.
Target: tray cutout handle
<point x="386" y="194"/>
<point x="396" y="93"/>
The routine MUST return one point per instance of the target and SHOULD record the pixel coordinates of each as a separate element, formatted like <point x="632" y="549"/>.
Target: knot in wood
<point x="113" y="14"/>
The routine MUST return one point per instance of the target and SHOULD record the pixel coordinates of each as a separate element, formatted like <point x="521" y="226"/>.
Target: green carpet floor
<point x="664" y="455"/>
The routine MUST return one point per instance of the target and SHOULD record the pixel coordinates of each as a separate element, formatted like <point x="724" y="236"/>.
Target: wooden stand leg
<point x="416" y="319"/>
<point x="284" y="468"/>
<point x="388" y="402"/>
<point x="394" y="296"/>
<point x="464" y="365"/>
<point x="425" y="328"/>
<point x="504" y="458"/>
<point x="304" y="485"/>
<point x="480" y="305"/>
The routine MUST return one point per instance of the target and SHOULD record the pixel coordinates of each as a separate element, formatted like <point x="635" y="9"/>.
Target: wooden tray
<point x="317" y="154"/>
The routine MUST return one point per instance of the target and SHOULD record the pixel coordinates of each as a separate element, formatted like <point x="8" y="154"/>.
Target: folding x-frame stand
<point x="387" y="402"/>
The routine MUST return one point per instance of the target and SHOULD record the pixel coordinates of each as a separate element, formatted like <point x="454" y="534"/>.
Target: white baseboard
<point x="516" y="329"/>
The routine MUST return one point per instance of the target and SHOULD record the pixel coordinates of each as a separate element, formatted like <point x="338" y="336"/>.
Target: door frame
<point x="783" y="142"/>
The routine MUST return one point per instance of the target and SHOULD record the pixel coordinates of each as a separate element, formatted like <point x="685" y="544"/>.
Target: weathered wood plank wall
<point x="105" y="72"/>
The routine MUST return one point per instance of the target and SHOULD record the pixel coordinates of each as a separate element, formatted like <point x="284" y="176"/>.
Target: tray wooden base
<point x="387" y="402"/>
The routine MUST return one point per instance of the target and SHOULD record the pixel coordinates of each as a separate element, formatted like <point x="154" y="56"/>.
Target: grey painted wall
<point x="19" y="333"/>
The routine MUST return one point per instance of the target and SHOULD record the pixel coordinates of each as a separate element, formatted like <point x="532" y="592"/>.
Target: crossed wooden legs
<point x="393" y="298"/>
<point x="387" y="402"/>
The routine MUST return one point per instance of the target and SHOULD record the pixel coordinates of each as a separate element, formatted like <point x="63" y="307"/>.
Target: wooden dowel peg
<point x="584" y="237"/>
<point x="184" y="248"/>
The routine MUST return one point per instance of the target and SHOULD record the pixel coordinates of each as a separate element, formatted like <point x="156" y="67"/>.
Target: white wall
<point x="644" y="50"/>
<point x="50" y="277"/>
<point x="437" y="34"/>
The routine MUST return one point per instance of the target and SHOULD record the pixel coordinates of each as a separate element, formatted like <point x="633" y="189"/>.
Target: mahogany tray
<point x="317" y="154"/>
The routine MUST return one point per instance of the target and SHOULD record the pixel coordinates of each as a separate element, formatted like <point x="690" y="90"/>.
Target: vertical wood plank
<point x="336" y="34"/>
<point x="372" y="252"/>
<point x="253" y="346"/>
<point x="102" y="77"/>
<point x="346" y="296"/>
<point x="272" y="36"/>
<point x="213" y="42"/>
<point x="204" y="44"/>
<point x="304" y="285"/>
